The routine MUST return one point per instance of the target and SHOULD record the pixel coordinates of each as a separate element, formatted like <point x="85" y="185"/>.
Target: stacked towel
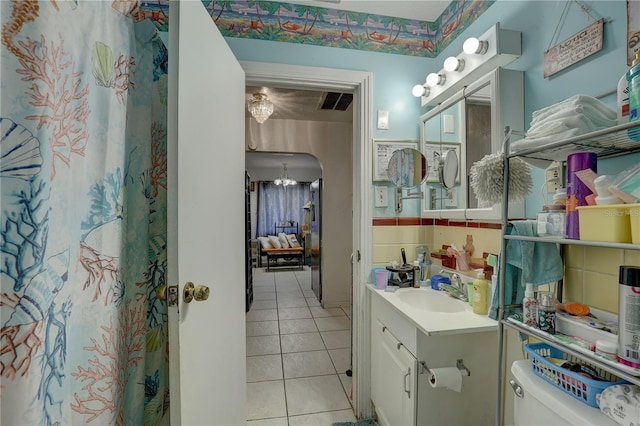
<point x="526" y="262"/>
<point x="575" y="116"/>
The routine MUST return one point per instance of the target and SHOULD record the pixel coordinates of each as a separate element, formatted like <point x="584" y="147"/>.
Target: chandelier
<point x="260" y="107"/>
<point x="284" y="179"/>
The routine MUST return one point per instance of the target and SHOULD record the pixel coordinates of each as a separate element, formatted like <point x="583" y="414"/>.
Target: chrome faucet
<point x="459" y="289"/>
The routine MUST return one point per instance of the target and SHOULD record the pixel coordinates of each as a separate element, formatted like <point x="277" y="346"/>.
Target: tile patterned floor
<point x="297" y="354"/>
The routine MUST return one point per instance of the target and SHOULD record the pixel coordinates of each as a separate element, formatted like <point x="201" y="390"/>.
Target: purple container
<point x="576" y="190"/>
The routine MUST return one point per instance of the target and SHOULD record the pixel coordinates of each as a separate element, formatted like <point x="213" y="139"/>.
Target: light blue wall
<point x="395" y="75"/>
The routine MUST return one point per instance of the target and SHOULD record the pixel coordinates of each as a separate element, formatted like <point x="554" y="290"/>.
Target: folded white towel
<point x="589" y="111"/>
<point x="579" y="122"/>
<point x="596" y="107"/>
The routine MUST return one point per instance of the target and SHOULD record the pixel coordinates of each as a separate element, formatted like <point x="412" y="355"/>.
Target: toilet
<point x="541" y="403"/>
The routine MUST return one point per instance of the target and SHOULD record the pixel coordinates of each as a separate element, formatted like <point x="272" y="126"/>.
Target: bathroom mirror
<point x="407" y="168"/>
<point x="448" y="168"/>
<point x="472" y="121"/>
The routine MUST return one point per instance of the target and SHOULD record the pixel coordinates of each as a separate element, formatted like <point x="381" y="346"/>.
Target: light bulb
<point x="453" y="64"/>
<point x="434" y="79"/>
<point x="419" y="91"/>
<point x="473" y="45"/>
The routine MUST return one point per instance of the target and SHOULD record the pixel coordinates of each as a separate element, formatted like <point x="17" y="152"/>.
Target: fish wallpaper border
<point x="321" y="26"/>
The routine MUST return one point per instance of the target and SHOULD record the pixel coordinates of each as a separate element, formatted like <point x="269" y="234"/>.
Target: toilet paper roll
<point x="448" y="378"/>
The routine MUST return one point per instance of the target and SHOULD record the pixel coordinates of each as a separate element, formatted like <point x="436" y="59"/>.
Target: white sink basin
<point x="430" y="300"/>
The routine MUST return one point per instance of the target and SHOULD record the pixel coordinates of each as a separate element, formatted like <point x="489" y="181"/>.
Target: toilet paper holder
<point x="459" y="365"/>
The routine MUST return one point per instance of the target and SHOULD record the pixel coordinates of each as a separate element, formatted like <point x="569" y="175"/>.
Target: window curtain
<point x="277" y="204"/>
<point x="83" y="128"/>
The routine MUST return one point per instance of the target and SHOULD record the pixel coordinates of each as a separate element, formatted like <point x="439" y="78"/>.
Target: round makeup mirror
<point x="407" y="168"/>
<point x="448" y="168"/>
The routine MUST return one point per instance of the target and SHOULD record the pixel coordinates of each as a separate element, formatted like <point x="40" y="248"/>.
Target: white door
<point x="206" y="221"/>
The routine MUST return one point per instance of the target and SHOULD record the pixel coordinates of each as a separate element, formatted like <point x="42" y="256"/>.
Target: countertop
<point x="437" y="323"/>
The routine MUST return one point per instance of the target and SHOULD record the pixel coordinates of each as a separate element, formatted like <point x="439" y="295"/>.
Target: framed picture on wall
<point x="432" y="152"/>
<point x="383" y="149"/>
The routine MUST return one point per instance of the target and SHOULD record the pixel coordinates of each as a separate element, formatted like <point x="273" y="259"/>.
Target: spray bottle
<point x="529" y="307"/>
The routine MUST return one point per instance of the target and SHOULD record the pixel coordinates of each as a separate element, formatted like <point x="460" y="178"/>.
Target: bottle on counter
<point x="480" y="287"/>
<point x="416" y="274"/>
<point x="633" y="81"/>
<point x="529" y="307"/>
<point x="547" y="312"/>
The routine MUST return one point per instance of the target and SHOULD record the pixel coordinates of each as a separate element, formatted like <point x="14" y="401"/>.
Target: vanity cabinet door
<point x="393" y="379"/>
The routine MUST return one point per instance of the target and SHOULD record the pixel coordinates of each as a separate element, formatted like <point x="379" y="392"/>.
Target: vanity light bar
<point x="495" y="48"/>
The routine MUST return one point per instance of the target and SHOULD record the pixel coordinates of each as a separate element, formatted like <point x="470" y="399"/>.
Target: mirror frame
<point x="507" y="108"/>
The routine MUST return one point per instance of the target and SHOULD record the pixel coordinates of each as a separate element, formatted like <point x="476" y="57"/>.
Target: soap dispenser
<point x="480" y="287"/>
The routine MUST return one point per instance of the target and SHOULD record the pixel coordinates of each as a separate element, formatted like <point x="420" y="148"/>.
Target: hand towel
<point x="526" y="262"/>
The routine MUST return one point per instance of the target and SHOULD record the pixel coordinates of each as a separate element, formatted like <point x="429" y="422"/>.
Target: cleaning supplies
<point x="623" y="99"/>
<point x="633" y="79"/>
<point x="629" y="314"/>
<point x="480" y="287"/>
<point x="529" y="306"/>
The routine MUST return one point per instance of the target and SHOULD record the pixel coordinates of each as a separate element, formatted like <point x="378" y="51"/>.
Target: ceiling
<point x="295" y="104"/>
<point x="303" y="104"/>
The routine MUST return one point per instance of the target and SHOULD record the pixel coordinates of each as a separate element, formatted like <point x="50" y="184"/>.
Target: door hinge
<point x="358" y="257"/>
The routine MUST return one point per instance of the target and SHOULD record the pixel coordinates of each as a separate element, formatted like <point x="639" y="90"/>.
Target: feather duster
<point x="487" y="178"/>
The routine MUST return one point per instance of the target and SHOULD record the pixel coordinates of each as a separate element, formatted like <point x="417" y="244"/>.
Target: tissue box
<point x="551" y="224"/>
<point x="621" y="403"/>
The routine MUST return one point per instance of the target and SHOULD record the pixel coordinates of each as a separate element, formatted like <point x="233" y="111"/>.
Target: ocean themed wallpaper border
<point x="320" y="26"/>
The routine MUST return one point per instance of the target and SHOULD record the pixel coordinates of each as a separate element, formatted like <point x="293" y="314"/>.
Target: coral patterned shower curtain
<point x="83" y="229"/>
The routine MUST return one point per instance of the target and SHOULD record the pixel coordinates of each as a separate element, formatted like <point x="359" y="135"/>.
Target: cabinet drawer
<point x="400" y="327"/>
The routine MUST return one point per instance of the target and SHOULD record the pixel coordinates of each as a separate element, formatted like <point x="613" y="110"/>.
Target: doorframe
<point x="360" y="82"/>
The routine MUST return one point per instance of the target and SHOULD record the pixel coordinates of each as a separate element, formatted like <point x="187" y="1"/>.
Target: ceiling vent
<point x="334" y="101"/>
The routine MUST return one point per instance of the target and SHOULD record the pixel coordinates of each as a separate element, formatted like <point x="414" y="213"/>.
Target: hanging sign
<point x="577" y="47"/>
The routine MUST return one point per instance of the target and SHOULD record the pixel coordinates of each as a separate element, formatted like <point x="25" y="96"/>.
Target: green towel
<point x="526" y="262"/>
<point x="363" y="422"/>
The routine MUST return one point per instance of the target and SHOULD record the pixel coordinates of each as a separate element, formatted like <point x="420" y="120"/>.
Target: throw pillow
<point x="275" y="241"/>
<point x="293" y="241"/>
<point x="265" y="243"/>
<point x="283" y="240"/>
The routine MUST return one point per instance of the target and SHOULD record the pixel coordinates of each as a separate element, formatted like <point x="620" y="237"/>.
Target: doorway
<point x="360" y="84"/>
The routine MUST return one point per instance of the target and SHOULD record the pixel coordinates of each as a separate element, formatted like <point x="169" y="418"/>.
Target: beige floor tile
<point x="301" y="342"/>
<point x="262" y="315"/>
<point x="263" y="345"/>
<point x="341" y="359"/>
<point x="320" y="312"/>
<point x="336" y="339"/>
<point x="266" y="400"/>
<point x="333" y="323"/>
<point x="309" y="395"/>
<point x="262" y="368"/>
<point x="262" y="328"/>
<point x="306" y="364"/>
<point x="293" y="313"/>
<point x="304" y="325"/>
<point x="280" y="421"/>
<point x="327" y="418"/>
<point x="263" y="304"/>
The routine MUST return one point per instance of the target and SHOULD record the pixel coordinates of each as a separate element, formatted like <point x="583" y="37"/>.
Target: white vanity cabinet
<point x="393" y="379"/>
<point x="413" y="328"/>
<point x="394" y="367"/>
